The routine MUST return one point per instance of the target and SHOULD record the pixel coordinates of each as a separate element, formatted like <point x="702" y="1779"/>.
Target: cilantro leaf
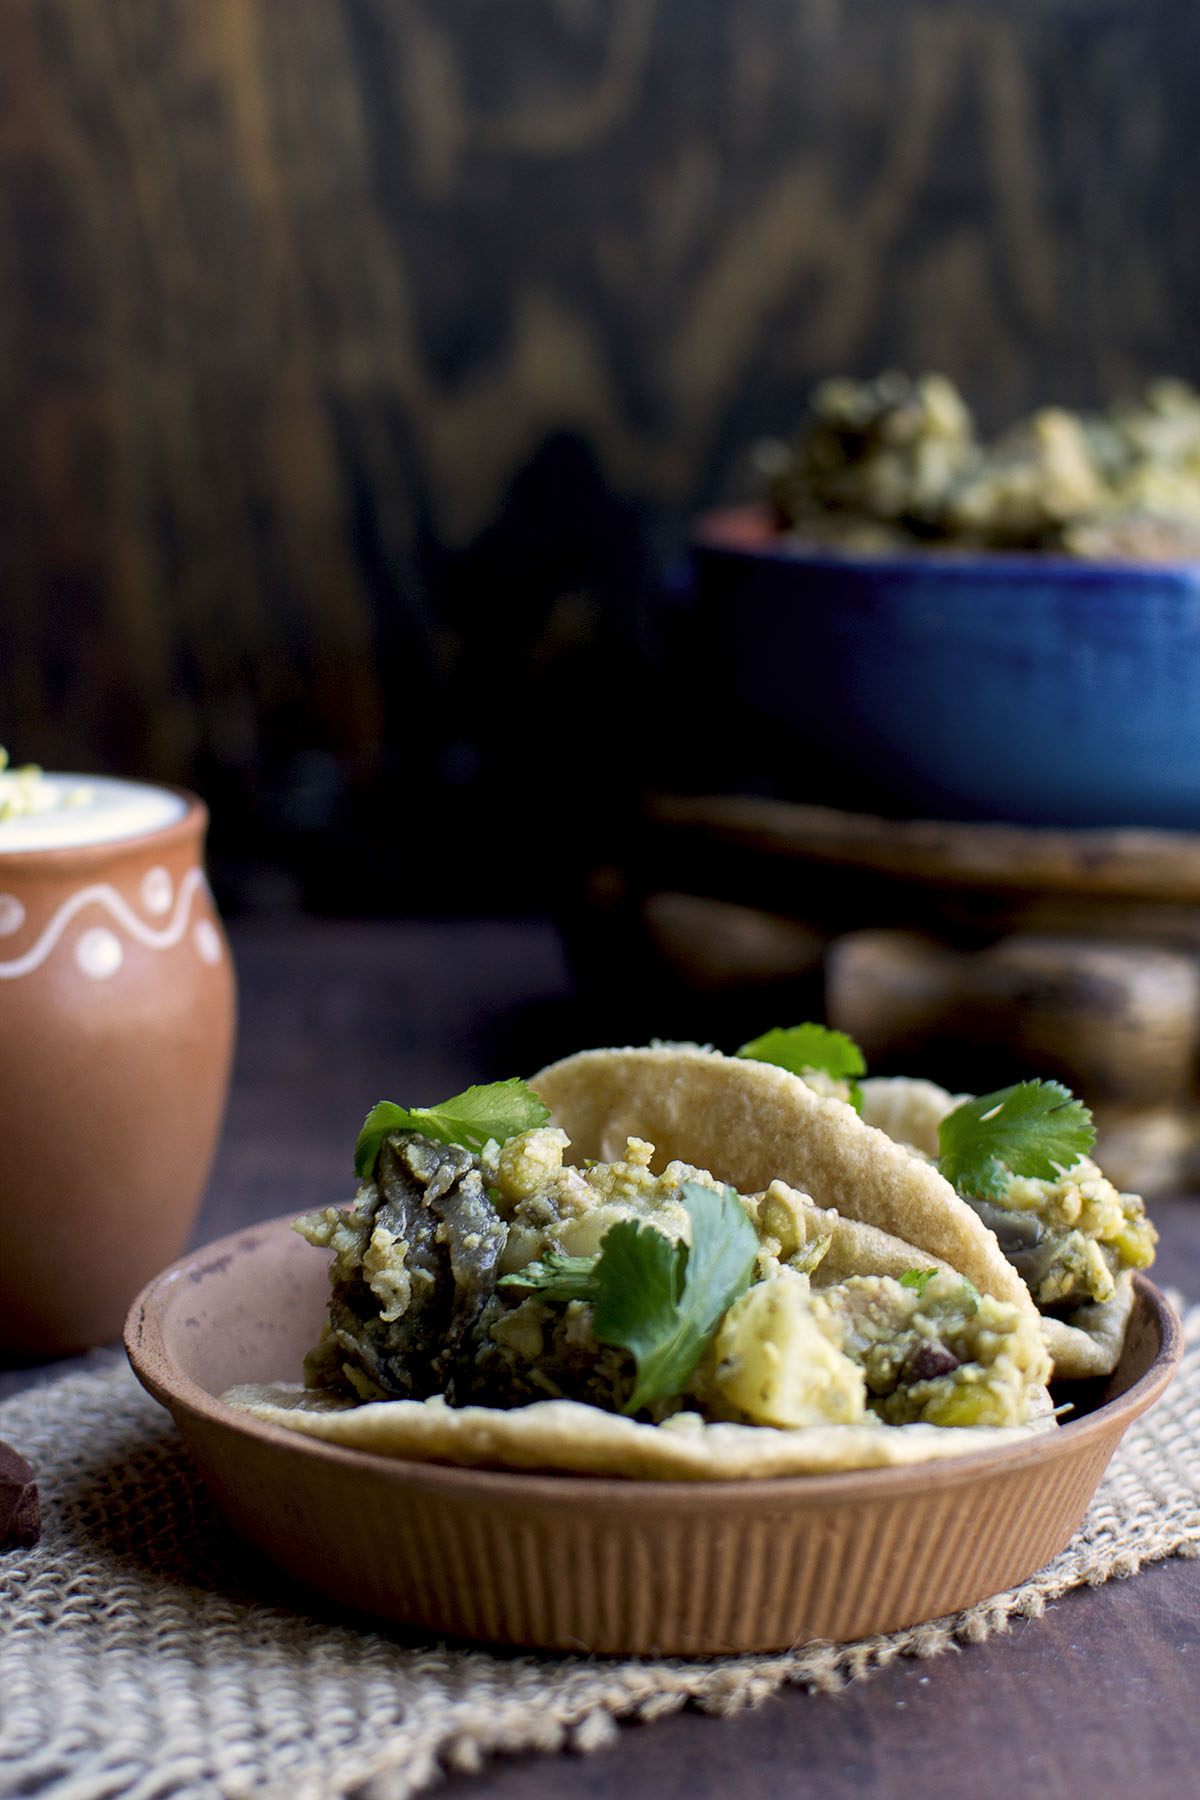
<point x="501" y="1109"/>
<point x="658" y="1299"/>
<point x="557" y="1277"/>
<point x="663" y="1301"/>
<point x="1035" y="1128"/>
<point x="640" y="1278"/>
<point x="809" y="1048"/>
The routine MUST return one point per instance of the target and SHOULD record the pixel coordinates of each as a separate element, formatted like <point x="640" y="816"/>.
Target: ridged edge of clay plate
<point x="595" y="1565"/>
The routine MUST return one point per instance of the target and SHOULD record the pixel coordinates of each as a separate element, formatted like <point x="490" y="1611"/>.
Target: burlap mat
<point x="142" y="1655"/>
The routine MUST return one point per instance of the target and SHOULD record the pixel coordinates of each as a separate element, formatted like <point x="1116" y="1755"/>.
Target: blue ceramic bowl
<point x="1036" y="689"/>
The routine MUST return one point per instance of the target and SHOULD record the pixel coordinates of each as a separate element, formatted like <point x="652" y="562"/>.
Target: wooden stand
<point x="976" y="954"/>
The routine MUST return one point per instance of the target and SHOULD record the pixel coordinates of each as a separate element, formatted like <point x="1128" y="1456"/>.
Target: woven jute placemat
<point x="143" y="1653"/>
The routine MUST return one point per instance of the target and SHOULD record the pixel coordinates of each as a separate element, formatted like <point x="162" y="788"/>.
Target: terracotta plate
<point x="618" y="1567"/>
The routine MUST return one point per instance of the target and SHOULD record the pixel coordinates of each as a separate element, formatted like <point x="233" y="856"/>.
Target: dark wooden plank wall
<point x="361" y="361"/>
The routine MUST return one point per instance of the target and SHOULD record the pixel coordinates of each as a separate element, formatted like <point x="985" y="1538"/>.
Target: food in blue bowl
<point x="918" y="623"/>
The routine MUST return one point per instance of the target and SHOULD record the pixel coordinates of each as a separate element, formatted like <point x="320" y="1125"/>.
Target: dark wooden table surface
<point x="1096" y="1697"/>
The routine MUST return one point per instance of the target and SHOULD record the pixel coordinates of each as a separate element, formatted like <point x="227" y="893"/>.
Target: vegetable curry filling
<point x="1070" y="1237"/>
<point x="668" y="1261"/>
<point x="505" y="1275"/>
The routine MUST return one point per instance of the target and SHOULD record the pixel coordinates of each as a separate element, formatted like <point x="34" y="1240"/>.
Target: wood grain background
<point x="361" y="361"/>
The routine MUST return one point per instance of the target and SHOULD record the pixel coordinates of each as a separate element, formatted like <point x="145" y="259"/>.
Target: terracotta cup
<point x="117" y="1007"/>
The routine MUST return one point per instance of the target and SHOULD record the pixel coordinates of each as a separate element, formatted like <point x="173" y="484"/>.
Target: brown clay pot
<point x="117" y="1006"/>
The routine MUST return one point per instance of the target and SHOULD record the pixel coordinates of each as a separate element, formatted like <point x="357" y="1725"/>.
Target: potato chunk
<point x="777" y="1365"/>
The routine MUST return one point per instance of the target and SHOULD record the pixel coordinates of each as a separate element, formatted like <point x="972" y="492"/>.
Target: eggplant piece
<point x="1017" y="1233"/>
<point x="1034" y="1250"/>
<point x="435" y="1238"/>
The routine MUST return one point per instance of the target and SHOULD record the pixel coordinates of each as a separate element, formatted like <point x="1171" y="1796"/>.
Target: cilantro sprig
<point x="1034" y="1128"/>
<point x="659" y="1300"/>
<point x="811" y="1048"/>
<point x="499" y="1110"/>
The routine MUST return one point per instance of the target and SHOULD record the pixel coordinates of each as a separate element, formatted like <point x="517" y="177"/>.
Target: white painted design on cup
<point x="12" y="915"/>
<point x="98" y="952"/>
<point x="122" y="914"/>
<point x="158" y="890"/>
<point x="207" y="940"/>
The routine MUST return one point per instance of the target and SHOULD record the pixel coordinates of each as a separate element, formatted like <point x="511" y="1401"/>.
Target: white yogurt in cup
<point x="61" y="812"/>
